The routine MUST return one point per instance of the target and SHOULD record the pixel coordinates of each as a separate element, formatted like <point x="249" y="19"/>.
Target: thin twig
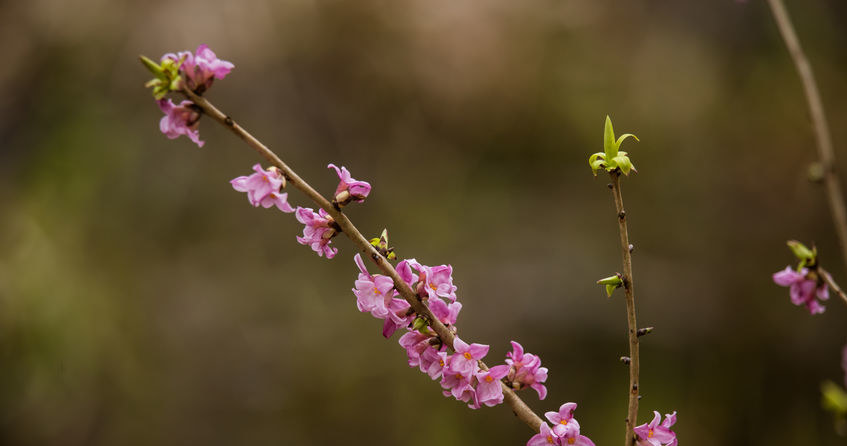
<point x="629" y="289"/>
<point x="821" y="128"/>
<point x="829" y="281"/>
<point x="520" y="409"/>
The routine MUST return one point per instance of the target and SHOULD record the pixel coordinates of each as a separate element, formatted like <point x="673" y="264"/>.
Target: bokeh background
<point x="144" y="302"/>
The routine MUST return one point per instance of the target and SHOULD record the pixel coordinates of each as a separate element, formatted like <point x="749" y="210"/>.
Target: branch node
<point x="229" y="122"/>
<point x="625" y="359"/>
<point x="622" y="214"/>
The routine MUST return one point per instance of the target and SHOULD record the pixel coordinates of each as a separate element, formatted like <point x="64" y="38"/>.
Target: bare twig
<point x="520" y="409"/>
<point x="629" y="289"/>
<point x="821" y="128"/>
<point x="828" y="279"/>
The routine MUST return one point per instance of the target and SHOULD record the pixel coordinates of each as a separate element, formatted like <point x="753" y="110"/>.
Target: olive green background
<point x="144" y="302"/>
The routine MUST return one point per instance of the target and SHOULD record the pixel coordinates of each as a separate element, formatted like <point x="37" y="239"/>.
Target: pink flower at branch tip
<point x="349" y="189"/>
<point x="201" y="68"/>
<point x="655" y="434"/>
<point x="263" y="188"/>
<point x="802" y="289"/>
<point x="182" y="119"/>
<point x="319" y="231"/>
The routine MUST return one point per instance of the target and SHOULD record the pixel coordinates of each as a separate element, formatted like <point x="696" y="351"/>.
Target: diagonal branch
<point x="521" y="410"/>
<point x="821" y="128"/>
<point x="829" y="281"/>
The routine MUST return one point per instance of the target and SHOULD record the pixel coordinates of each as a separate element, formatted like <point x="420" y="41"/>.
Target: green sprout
<point x="611" y="158"/>
<point x="612" y="283"/>
<point x="167" y="75"/>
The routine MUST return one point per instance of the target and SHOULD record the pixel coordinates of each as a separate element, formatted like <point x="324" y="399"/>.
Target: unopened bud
<point x="643" y="331"/>
<point x="419" y="323"/>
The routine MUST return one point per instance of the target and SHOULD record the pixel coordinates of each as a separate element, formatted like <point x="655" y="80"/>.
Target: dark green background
<point x="144" y="302"/>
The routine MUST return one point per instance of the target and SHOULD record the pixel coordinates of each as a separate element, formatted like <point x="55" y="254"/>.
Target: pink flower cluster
<point x="264" y="188"/>
<point x="201" y="68"/>
<point x="565" y="430"/>
<point x="803" y="288"/>
<point x="526" y="371"/>
<point x="655" y="434"/>
<point x="460" y="373"/>
<point x="319" y="231"/>
<point x="198" y="71"/>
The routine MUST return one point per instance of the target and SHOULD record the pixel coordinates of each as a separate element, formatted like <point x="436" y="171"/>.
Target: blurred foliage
<point x="142" y="301"/>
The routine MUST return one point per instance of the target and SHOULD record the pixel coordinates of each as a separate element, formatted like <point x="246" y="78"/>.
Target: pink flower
<point x="415" y="343"/>
<point x="802" y="289"/>
<point x="372" y="292"/>
<point x="489" y="390"/>
<point x="349" y="189"/>
<point x="319" y="231"/>
<point x="459" y="386"/>
<point x="467" y="356"/>
<point x="446" y="313"/>
<point x="398" y="316"/>
<point x="526" y="371"/>
<point x="182" y="119"/>
<point x="263" y="188"/>
<point x="547" y="437"/>
<point x="563" y="420"/>
<point x="201" y="68"/>
<point x="654" y="434"/>
<point x="439" y="282"/>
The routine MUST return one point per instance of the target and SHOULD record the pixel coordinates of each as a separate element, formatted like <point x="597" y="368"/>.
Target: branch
<point x="626" y="255"/>
<point x="821" y="128"/>
<point x="521" y="410"/>
<point x="829" y="281"/>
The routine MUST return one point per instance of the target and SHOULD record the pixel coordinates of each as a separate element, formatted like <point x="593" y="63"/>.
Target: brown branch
<point x="829" y="281"/>
<point x="520" y="409"/>
<point x="629" y="289"/>
<point x="821" y="128"/>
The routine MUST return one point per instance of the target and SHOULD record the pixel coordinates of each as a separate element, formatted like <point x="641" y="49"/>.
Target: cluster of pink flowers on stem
<point x="459" y="373"/>
<point x="200" y="69"/>
<point x="655" y="434"/>
<point x="804" y="286"/>
<point x="565" y="430"/>
<point x="264" y="188"/>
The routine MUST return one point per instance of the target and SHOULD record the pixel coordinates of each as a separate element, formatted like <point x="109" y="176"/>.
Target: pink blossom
<point x="655" y="434"/>
<point x="439" y="282"/>
<point x="465" y="361"/>
<point x="526" y="370"/>
<point x="459" y="386"/>
<point x="489" y="390"/>
<point x="182" y="119"/>
<point x="201" y="68"/>
<point x="547" y="437"/>
<point x="446" y="313"/>
<point x="433" y="362"/>
<point x="263" y="188"/>
<point x="415" y="343"/>
<point x="563" y="420"/>
<point x="398" y="316"/>
<point x="349" y="189"/>
<point x="372" y="292"/>
<point x="319" y="231"/>
<point x="802" y="289"/>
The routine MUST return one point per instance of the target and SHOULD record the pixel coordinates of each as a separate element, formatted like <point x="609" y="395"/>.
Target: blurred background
<point x="143" y="301"/>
